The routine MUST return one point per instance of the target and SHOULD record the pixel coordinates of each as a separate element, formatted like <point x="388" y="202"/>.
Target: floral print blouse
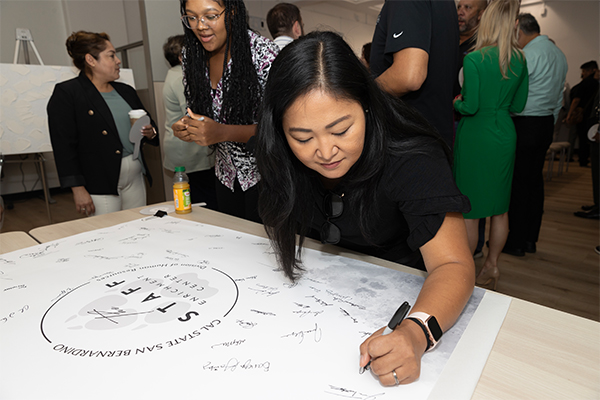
<point x="232" y="159"/>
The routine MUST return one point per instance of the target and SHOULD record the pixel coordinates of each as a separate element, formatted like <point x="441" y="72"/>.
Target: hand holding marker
<point x="394" y="322"/>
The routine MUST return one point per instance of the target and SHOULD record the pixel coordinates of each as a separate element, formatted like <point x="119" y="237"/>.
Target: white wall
<point x="45" y="20"/>
<point x="50" y="23"/>
<point x="163" y="21"/>
<point x="575" y="27"/>
<point x="573" y="24"/>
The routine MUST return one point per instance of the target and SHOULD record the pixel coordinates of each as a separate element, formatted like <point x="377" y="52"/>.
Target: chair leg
<point x="550" y="166"/>
<point x="568" y="158"/>
<point x="561" y="161"/>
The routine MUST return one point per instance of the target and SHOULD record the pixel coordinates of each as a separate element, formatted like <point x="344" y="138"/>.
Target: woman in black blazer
<point x="89" y="129"/>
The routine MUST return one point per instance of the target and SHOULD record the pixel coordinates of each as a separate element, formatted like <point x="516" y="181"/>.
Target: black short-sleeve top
<point x="432" y="26"/>
<point x="414" y="194"/>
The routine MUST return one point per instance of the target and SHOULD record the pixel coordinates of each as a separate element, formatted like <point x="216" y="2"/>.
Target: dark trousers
<point x="584" y="144"/>
<point x="238" y="203"/>
<point x="534" y="136"/>
<point x="202" y="188"/>
<point x="594" y="154"/>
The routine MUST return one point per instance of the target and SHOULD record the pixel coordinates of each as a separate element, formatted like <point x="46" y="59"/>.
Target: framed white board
<point x="24" y="94"/>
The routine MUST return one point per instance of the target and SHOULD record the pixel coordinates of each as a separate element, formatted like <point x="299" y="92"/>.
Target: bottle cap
<point x="179" y="169"/>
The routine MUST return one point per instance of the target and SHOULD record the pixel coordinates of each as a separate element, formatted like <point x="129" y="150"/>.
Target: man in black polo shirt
<point x="582" y="95"/>
<point x="415" y="55"/>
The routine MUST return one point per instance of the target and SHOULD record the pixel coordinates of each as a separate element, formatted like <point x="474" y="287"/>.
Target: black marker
<point x="394" y="322"/>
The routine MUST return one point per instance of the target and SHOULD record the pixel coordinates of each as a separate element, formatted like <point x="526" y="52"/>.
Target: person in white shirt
<point x="285" y="24"/>
<point x="199" y="161"/>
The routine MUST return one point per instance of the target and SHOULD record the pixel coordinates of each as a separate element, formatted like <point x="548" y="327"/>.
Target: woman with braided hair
<point x="225" y="68"/>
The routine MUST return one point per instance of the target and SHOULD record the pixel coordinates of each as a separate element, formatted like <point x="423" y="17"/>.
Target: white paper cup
<point x="134" y="115"/>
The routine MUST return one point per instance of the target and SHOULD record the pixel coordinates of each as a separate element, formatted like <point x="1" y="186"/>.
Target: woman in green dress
<point x="495" y="84"/>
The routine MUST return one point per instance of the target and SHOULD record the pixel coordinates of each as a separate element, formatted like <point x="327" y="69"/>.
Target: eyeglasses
<point x="192" y="22"/>
<point x="333" y="207"/>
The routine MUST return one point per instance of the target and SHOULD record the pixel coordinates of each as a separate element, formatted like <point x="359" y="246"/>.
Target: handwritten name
<point x="265" y="290"/>
<point x="246" y="324"/>
<point x="316" y="334"/>
<point x="99" y="257"/>
<point x="344" y="299"/>
<point x="314" y="280"/>
<point x="244" y="279"/>
<point x="304" y="313"/>
<point x="347" y="314"/>
<point x="41" y="252"/>
<point x="350" y="393"/>
<point x="89" y="241"/>
<point x="264" y="313"/>
<point x="233" y="343"/>
<point x="14" y="314"/>
<point x="234" y="364"/>
<point x="62" y="293"/>
<point x="15" y="287"/>
<point x="319" y="301"/>
<point x="134" y="238"/>
<point x="174" y="253"/>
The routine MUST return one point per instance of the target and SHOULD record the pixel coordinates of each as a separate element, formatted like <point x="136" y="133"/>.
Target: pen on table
<point x="394" y="322"/>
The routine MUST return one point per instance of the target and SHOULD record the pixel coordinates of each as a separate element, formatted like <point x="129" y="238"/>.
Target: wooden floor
<point x="563" y="274"/>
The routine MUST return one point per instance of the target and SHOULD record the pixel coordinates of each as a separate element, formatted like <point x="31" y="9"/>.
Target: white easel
<point x="24" y="37"/>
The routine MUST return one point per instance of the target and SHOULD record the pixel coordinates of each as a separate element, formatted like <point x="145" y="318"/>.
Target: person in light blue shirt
<point x="547" y="66"/>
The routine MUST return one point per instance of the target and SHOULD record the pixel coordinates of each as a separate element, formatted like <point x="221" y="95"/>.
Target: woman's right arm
<point x="64" y="136"/>
<point x="63" y="128"/>
<point x="468" y="104"/>
<point x="447" y="288"/>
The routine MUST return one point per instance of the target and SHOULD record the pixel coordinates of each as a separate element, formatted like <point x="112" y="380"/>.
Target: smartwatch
<point x="430" y="328"/>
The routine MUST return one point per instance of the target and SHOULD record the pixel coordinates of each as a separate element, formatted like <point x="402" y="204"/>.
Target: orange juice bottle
<point x="181" y="191"/>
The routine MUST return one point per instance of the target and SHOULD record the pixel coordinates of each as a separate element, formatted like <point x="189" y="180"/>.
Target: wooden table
<point x="540" y="353"/>
<point x="11" y="241"/>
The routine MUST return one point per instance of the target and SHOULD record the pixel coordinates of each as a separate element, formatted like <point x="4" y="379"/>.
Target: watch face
<point x="434" y="328"/>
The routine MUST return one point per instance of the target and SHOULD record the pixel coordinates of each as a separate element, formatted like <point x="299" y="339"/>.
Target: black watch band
<point x="430" y="326"/>
<point x="422" y="326"/>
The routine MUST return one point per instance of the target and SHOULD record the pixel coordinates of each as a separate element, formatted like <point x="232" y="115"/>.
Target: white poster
<point x="166" y="308"/>
<point x="24" y="94"/>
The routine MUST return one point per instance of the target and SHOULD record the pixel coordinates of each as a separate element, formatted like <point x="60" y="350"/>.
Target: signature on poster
<point x="315" y="333"/>
<point x="234" y="365"/>
<point x="351" y="393"/>
<point x="231" y="343"/>
<point x="14" y="314"/>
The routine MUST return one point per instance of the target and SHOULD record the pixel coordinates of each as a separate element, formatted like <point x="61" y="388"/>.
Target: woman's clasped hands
<point x="395" y="358"/>
<point x="197" y="128"/>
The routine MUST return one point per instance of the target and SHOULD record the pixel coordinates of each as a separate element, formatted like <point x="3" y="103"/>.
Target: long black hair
<point x="324" y="61"/>
<point x="241" y="88"/>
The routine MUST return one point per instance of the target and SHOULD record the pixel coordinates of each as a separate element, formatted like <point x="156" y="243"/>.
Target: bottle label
<point x="183" y="200"/>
